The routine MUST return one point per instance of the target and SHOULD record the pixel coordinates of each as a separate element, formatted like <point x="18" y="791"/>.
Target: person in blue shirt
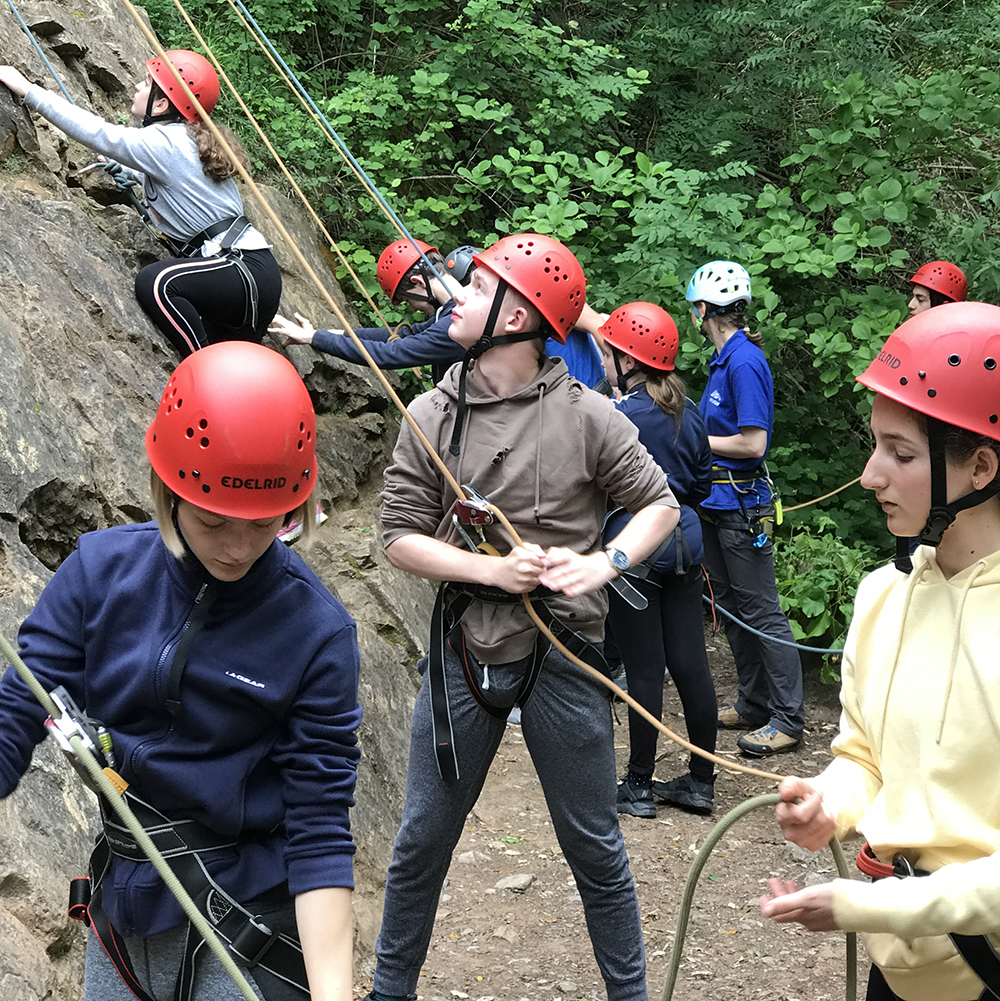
<point x="403" y="276"/>
<point x="738" y="516"/>
<point x="640" y="345"/>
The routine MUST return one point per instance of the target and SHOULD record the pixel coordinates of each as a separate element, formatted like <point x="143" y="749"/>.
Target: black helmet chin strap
<point x="154" y="95"/>
<point x="485" y="342"/>
<point x="942" y="513"/>
<point x="622" y="376"/>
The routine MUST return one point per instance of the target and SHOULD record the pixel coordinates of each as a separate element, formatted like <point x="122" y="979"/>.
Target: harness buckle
<point x="252" y="941"/>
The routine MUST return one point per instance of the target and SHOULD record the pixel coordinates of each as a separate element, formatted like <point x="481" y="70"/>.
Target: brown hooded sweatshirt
<point x="548" y="456"/>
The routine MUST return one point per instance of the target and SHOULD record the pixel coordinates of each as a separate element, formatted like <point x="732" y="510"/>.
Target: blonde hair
<point x="165" y="504"/>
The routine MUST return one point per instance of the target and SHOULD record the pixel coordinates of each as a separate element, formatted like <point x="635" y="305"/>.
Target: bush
<point x="818" y="576"/>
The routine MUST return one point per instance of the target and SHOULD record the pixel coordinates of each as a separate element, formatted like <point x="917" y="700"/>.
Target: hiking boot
<point x="687" y="792"/>
<point x="766" y="741"/>
<point x="635" y="796"/>
<point x="730" y="718"/>
<point x="373" y="996"/>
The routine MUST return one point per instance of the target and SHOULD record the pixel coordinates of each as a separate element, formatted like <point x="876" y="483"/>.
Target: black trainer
<point x="635" y="796"/>
<point x="685" y="791"/>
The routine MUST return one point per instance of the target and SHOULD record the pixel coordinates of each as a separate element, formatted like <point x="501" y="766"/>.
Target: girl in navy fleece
<point x="640" y="344"/>
<point x="255" y="739"/>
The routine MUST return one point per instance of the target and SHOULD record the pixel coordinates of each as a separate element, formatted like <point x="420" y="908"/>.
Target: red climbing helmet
<point x="644" y="331"/>
<point x="545" y="272"/>
<point x="396" y="260"/>
<point x="944" y="363"/>
<point x="196" y="71"/>
<point x="235" y="432"/>
<point x="943" y="277"/>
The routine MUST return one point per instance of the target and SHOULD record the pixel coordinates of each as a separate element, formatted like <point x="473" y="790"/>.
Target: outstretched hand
<point x="300" y="332"/>
<point x="14" y="80"/>
<point x="812" y="907"/>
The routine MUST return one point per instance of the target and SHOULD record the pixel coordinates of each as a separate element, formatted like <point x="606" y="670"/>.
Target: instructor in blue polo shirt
<point x="738" y="517"/>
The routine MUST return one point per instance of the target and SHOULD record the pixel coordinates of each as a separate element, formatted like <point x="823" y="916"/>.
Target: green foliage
<point x="817" y="578"/>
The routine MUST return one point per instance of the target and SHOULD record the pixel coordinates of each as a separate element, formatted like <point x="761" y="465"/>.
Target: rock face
<point x="83" y="371"/>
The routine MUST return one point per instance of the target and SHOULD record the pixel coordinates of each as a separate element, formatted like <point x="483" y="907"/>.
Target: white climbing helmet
<point x="719" y="283"/>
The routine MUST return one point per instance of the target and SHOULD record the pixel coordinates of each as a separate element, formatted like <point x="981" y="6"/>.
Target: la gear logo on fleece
<point x="245" y="680"/>
<point x="238" y="483"/>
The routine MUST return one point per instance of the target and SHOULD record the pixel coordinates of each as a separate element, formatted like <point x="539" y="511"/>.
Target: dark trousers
<point x="878" y="989"/>
<point x="195" y="301"/>
<point x="567" y="728"/>
<point x="666" y="635"/>
<point x="742" y="578"/>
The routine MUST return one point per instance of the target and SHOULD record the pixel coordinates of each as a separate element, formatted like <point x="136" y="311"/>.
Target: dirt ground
<point x="495" y="944"/>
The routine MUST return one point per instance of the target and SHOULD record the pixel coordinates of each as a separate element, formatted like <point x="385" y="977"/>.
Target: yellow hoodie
<point x="916" y="770"/>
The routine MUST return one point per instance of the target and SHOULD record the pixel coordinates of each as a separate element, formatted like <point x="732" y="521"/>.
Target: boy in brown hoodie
<point x="548" y="452"/>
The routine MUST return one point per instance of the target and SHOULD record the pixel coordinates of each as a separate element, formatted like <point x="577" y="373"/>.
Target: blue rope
<point x="764" y="636"/>
<point x="340" y="142"/>
<point x="38" y="49"/>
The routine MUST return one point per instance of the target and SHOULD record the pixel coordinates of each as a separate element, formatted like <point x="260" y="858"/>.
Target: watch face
<point x="618" y="559"/>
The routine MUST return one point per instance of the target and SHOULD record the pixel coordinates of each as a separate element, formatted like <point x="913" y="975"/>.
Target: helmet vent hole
<point x="180" y="403"/>
<point x="295" y="489"/>
<point x="954" y="360"/>
<point x="309" y="436"/>
<point x="538" y="295"/>
<point x="170" y="408"/>
<point x="993" y="418"/>
<point x="203" y="424"/>
<point x="205" y="443"/>
<point x="205" y="488"/>
<point x="923" y="375"/>
<point x="190" y="432"/>
<point x="990" y="364"/>
<point x="195" y="473"/>
<point x="302" y="426"/>
<point x="903" y="380"/>
<point x="300" y="444"/>
<point x="181" y="473"/>
<point x="932" y="392"/>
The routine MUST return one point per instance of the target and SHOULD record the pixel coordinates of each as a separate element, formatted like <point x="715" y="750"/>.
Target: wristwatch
<point x="617" y="559"/>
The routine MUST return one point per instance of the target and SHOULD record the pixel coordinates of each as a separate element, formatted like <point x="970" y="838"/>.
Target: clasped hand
<point x="557" y="568"/>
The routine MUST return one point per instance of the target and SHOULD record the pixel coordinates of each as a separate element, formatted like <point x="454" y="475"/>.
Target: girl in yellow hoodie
<point x="915" y="761"/>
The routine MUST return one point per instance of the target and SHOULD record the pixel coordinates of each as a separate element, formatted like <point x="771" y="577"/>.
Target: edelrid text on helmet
<point x="945" y="363"/>
<point x="720" y="283"/>
<point x="645" y="332"/>
<point x="943" y="277"/>
<point x="235" y="432"/>
<point x="396" y="260"/>
<point x="545" y="272"/>
<point x="196" y="71"/>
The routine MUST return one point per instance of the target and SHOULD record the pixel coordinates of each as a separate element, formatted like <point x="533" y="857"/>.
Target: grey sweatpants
<point x="567" y="728"/>
<point x="157" y="959"/>
<point x="742" y="578"/>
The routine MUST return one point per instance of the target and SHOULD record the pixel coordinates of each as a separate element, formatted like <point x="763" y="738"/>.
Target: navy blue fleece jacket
<point x="427" y="343"/>
<point x="264" y="745"/>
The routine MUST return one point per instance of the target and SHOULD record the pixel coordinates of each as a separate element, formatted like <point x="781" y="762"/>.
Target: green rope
<point x="705" y="852"/>
<point x="135" y="828"/>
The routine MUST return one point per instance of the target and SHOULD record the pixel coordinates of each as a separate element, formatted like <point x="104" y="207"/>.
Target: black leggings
<point x="878" y="989"/>
<point x="196" y="301"/>
<point x="667" y="634"/>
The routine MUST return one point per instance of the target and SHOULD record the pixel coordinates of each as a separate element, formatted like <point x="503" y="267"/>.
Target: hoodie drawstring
<point x="538" y="449"/>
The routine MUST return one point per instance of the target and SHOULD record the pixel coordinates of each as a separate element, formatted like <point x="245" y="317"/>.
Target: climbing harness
<point x="977" y="950"/>
<point x="705" y="853"/>
<point x="112" y="786"/>
<point x="182" y="843"/>
<point x="761" y="523"/>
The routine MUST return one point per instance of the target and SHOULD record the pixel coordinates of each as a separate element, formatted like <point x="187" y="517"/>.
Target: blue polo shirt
<point x="581" y="356"/>
<point x="739" y="394"/>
